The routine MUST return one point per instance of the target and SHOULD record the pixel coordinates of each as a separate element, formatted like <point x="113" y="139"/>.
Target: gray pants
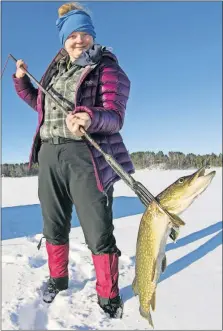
<point x="67" y="178"/>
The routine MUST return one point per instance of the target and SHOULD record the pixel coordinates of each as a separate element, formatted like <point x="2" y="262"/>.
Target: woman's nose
<point x="80" y="38"/>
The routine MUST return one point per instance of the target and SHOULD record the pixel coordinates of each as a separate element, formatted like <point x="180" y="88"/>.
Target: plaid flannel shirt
<point x="63" y="87"/>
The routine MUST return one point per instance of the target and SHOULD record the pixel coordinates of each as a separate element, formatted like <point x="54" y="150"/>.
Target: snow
<point x="189" y="294"/>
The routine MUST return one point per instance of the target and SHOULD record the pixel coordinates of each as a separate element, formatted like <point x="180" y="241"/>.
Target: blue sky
<point x="171" y="51"/>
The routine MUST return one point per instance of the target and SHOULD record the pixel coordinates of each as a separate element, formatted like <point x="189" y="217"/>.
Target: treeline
<point x="174" y="160"/>
<point x="18" y="170"/>
<point x="141" y="160"/>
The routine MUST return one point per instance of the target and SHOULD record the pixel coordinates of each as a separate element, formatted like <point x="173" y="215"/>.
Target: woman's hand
<point x="74" y="122"/>
<point x="20" y="71"/>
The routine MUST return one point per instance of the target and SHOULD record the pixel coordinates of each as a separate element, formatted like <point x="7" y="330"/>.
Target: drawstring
<point x="40" y="242"/>
<point x="107" y="199"/>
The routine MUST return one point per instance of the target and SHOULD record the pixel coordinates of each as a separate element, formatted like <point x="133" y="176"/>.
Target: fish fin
<point x="146" y="315"/>
<point x="153" y="301"/>
<point x="176" y="220"/>
<point x="134" y="287"/>
<point x="154" y="270"/>
<point x="164" y="263"/>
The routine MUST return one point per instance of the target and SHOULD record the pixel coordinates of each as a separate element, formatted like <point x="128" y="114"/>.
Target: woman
<point x="86" y="79"/>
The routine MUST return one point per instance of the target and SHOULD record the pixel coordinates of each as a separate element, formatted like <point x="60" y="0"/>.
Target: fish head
<point x="180" y="195"/>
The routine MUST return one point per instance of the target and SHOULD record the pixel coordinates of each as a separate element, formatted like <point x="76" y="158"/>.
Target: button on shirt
<point x="63" y="87"/>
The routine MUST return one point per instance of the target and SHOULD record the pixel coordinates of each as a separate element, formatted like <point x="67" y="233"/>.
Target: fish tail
<point x="146" y="315"/>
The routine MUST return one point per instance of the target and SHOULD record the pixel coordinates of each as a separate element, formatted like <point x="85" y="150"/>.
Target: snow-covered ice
<point x="189" y="294"/>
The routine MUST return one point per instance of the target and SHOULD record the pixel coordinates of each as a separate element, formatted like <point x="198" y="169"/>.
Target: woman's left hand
<point x="74" y="122"/>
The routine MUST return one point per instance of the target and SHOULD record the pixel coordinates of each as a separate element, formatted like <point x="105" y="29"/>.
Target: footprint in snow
<point x="31" y="315"/>
<point x="75" y="286"/>
<point x="36" y="261"/>
<point x="14" y="318"/>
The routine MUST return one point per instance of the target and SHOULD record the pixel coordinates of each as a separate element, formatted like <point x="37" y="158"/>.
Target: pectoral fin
<point x="134" y="287"/>
<point x="164" y="263"/>
<point x="153" y="301"/>
<point x="153" y="271"/>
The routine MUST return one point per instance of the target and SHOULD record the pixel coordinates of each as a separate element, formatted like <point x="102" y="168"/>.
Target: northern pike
<point x="154" y="229"/>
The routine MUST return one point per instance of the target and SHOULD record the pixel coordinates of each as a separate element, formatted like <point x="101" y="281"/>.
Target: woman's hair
<point x="70" y="6"/>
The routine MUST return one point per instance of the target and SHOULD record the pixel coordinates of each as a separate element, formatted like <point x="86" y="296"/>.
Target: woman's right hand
<point x="20" y="71"/>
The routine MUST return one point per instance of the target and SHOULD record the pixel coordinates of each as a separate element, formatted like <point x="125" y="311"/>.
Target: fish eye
<point x="181" y="180"/>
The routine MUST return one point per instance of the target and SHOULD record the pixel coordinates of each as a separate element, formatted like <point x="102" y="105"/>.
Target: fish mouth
<point x="201" y="172"/>
<point x="197" y="184"/>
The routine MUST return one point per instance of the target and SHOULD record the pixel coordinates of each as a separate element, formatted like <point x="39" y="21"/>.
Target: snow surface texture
<point x="189" y="294"/>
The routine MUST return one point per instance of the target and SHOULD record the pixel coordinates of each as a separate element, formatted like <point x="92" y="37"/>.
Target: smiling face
<point x="76" y="43"/>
